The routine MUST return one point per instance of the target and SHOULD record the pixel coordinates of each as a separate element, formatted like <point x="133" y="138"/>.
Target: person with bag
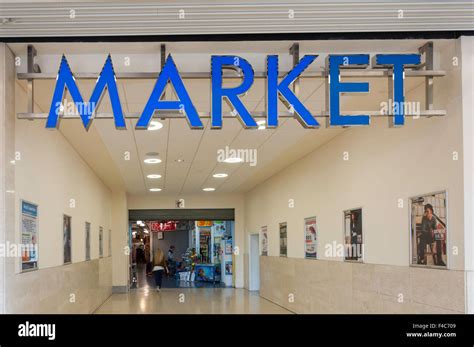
<point x="159" y="267"/>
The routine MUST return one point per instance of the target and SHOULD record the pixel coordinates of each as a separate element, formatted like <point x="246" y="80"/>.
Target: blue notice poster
<point x="29" y="236"/>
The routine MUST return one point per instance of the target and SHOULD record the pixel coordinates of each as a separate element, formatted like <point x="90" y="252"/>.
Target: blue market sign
<point x="275" y="90"/>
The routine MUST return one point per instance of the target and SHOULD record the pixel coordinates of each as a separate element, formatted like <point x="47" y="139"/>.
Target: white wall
<point x="385" y="165"/>
<point x="467" y="58"/>
<point x="50" y="173"/>
<point x="204" y="200"/>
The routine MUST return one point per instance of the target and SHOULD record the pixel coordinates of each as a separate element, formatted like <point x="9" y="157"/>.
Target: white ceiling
<point x="103" y="147"/>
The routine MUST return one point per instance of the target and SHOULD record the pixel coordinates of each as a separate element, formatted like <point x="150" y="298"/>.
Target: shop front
<point x="199" y="253"/>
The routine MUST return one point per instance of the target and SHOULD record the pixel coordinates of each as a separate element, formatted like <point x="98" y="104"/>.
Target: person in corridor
<point x="159" y="267"/>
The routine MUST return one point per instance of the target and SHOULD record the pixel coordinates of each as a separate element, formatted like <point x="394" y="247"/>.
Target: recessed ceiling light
<point x="209" y="189"/>
<point x="179" y="160"/>
<point x="220" y="175"/>
<point x="155" y="125"/>
<point x="152" y="161"/>
<point x="155" y="189"/>
<point x="153" y="176"/>
<point x="261" y="125"/>
<point x="233" y="160"/>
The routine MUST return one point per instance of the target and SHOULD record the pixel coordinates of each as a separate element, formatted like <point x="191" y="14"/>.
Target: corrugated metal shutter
<point x="182" y="214"/>
<point x="232" y="17"/>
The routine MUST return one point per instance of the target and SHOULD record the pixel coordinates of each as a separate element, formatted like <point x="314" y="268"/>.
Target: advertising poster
<point x="67" y="238"/>
<point x="264" y="238"/>
<point x="204" y="272"/>
<point x="283" y="240"/>
<point x="353" y="247"/>
<point x="219" y="228"/>
<point x="228" y="268"/>
<point x="88" y="241"/>
<point x="310" y="246"/>
<point x="101" y="242"/>
<point x="429" y="230"/>
<point x="204" y="223"/>
<point x="110" y="243"/>
<point x="228" y="247"/>
<point x="29" y="236"/>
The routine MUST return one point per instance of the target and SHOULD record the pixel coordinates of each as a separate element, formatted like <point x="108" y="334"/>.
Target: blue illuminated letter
<point x="398" y="61"/>
<point x="183" y="104"/>
<point x="336" y="87"/>
<point x="65" y="79"/>
<point x="275" y="89"/>
<point x="231" y="95"/>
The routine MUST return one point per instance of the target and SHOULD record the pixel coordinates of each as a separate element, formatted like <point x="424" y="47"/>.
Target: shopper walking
<point x="428" y="227"/>
<point x="159" y="267"/>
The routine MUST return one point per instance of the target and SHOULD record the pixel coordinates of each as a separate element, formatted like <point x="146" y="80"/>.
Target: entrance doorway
<point x="254" y="263"/>
<point x="198" y="253"/>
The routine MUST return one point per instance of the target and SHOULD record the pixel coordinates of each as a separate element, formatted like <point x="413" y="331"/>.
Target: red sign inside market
<point x="163" y="226"/>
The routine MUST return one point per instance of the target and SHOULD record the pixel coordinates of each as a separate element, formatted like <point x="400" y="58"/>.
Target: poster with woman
<point x="264" y="238"/>
<point x="67" y="239"/>
<point x="283" y="240"/>
<point x="429" y="230"/>
<point x="353" y="246"/>
<point x="228" y="246"/>
<point x="310" y="245"/>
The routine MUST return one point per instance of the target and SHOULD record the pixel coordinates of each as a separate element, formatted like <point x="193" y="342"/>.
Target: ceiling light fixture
<point x="155" y="125"/>
<point x="179" y="160"/>
<point x="261" y="125"/>
<point x="209" y="189"/>
<point x="153" y="176"/>
<point x="152" y="161"/>
<point x="155" y="189"/>
<point x="220" y="175"/>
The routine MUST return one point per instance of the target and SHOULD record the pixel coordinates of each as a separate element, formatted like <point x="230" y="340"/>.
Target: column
<point x="7" y="167"/>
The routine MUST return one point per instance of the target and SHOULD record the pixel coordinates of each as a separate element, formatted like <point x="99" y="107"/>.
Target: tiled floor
<point x="203" y="298"/>
<point x="190" y="300"/>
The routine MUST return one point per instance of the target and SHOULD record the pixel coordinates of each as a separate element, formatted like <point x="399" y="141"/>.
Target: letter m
<point x="66" y="79"/>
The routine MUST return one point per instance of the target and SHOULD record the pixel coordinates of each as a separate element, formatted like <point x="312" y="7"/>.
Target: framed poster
<point x="264" y="238"/>
<point x="101" y="242"/>
<point x="110" y="243"/>
<point x="228" y="267"/>
<point x="311" y="238"/>
<point x="283" y="240"/>
<point x="88" y="241"/>
<point x="29" y="236"/>
<point x="429" y="230"/>
<point x="67" y="239"/>
<point x="219" y="228"/>
<point x="353" y="246"/>
<point x="228" y="247"/>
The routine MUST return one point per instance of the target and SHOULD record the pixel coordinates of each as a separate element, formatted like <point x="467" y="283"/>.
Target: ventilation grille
<point x="236" y="17"/>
